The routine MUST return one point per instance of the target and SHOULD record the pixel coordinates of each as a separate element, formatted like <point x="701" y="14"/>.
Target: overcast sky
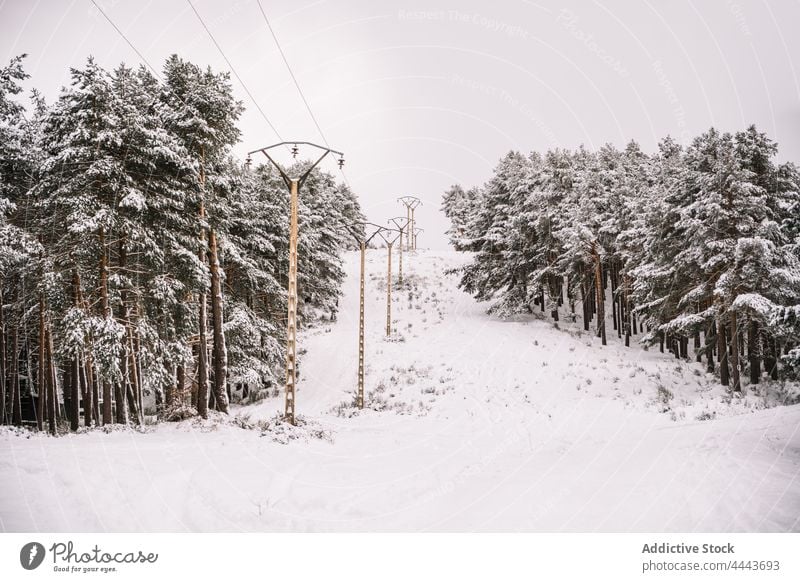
<point x="421" y="95"/>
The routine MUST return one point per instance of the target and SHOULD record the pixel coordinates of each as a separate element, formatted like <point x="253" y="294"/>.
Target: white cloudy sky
<point x="421" y="95"/>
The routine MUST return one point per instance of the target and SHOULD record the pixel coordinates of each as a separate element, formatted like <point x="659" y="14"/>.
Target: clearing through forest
<point x="472" y="424"/>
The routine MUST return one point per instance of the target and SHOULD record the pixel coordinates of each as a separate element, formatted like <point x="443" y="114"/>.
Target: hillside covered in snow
<point x="471" y="423"/>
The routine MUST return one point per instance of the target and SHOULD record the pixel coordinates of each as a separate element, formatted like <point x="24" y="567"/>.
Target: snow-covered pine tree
<point x="458" y="206"/>
<point x="587" y="244"/>
<point x="660" y="273"/>
<point x="728" y="205"/>
<point x="535" y="244"/>
<point x="695" y="243"/>
<point x="785" y="319"/>
<point x="489" y="229"/>
<point x="325" y="210"/>
<point x="17" y="248"/>
<point x="627" y="204"/>
<point x="155" y="237"/>
<point x="78" y="191"/>
<point x="764" y="272"/>
<point x="203" y="113"/>
<point x="258" y="229"/>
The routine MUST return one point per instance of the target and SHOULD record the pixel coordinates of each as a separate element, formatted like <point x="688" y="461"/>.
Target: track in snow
<point x="488" y="425"/>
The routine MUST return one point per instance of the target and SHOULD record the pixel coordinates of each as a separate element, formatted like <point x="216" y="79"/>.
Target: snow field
<point x="472" y="424"/>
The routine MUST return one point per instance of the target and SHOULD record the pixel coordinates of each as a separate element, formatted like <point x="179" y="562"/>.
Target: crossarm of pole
<point x="389" y="235"/>
<point x="400" y="223"/>
<point x="410" y="201"/>
<point x="366" y="240"/>
<point x="418" y="230"/>
<point x="301" y="179"/>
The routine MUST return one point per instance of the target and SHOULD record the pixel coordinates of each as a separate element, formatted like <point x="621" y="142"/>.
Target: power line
<point x="291" y="73"/>
<point x="297" y="85"/>
<point x="144" y="60"/>
<point x="125" y="38"/>
<point x="233" y="70"/>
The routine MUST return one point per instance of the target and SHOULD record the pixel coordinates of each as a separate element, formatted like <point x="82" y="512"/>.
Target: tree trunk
<point x="52" y="392"/>
<point x="754" y="351"/>
<point x="137" y="349"/>
<point x="571" y="298"/>
<point x="773" y="351"/>
<point x="202" y="350"/>
<point x="74" y="370"/>
<point x="74" y="394"/>
<point x="121" y="410"/>
<point x="598" y="270"/>
<point x="722" y="350"/>
<point x="86" y="392"/>
<point x="16" y="400"/>
<point x="130" y="371"/>
<point x="585" y="302"/>
<point x="95" y="396"/>
<point x="220" y="349"/>
<point x="41" y="388"/>
<point x="85" y="375"/>
<point x="697" y="354"/>
<point x="106" y="310"/>
<point x="133" y="402"/>
<point x="710" y="338"/>
<point x="615" y="313"/>
<point x="737" y="386"/>
<point x="627" y="312"/>
<point x="202" y="362"/>
<point x="91" y="385"/>
<point x="180" y="384"/>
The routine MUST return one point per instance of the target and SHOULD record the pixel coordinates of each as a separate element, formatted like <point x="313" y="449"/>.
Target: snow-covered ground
<point x="474" y="423"/>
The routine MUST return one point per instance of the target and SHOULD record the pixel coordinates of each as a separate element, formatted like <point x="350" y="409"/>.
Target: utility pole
<point x="362" y="241"/>
<point x="416" y="232"/>
<point x="411" y="203"/>
<point x="400" y="224"/>
<point x="294" y="184"/>
<point x="389" y="237"/>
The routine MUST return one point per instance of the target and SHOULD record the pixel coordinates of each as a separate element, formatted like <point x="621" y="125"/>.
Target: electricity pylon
<point x="294" y="185"/>
<point x="362" y="241"/>
<point x="415" y="233"/>
<point x="389" y="236"/>
<point x="411" y="203"/>
<point x="401" y="224"/>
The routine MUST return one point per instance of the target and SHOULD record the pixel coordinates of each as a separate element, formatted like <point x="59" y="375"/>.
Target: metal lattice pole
<point x="294" y="185"/>
<point x="409" y="220"/>
<point x="411" y="203"/>
<point x="413" y="236"/>
<point x="400" y="261"/>
<point x="362" y="240"/>
<point x="389" y="236"/>
<point x="360" y="394"/>
<point x="291" y="320"/>
<point x="389" y="293"/>
<point x="401" y="224"/>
